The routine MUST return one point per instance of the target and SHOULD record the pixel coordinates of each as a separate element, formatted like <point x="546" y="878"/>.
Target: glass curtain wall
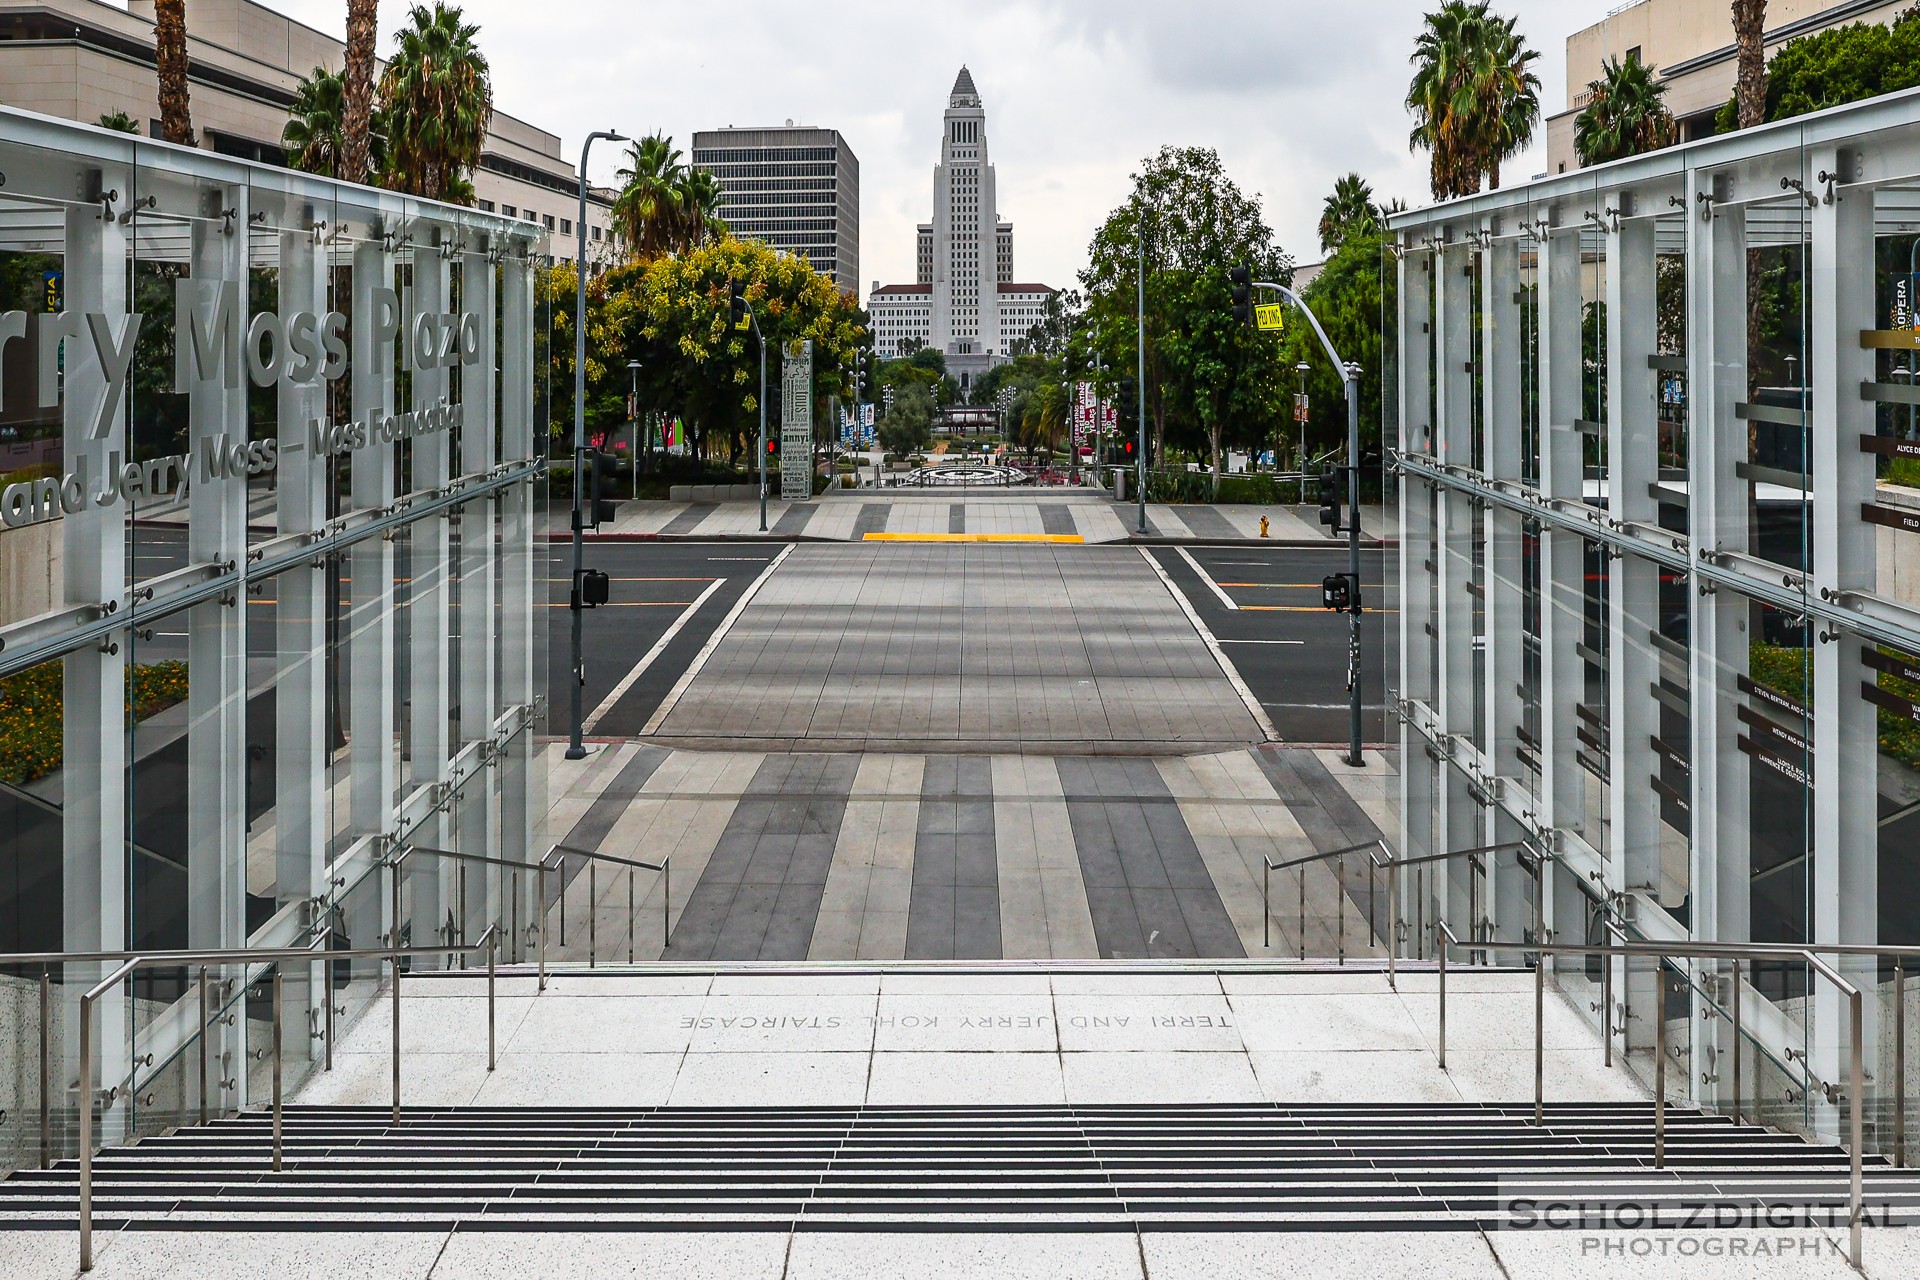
<point x="271" y="469"/>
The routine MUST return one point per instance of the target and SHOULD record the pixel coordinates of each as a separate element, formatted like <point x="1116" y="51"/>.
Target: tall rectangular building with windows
<point x="793" y="187"/>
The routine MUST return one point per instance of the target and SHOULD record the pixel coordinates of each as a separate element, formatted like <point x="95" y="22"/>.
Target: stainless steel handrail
<point x="1663" y="953"/>
<point x="1382" y="858"/>
<point x="274" y="956"/>
<point x="554" y="862"/>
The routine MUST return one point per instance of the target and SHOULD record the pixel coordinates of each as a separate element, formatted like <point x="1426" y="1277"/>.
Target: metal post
<point x="493" y="948"/>
<point x="1393" y="926"/>
<point x="326" y="995"/>
<point x="1140" y="462"/>
<point x="1441" y="946"/>
<point x="1266" y="902"/>
<point x="1899" y="1061"/>
<point x="629" y="915"/>
<point x="395" y="959"/>
<point x="1736" y="1040"/>
<point x="1373" y="878"/>
<point x="666" y="905"/>
<point x="761" y="338"/>
<point x="86" y="1132"/>
<point x="593" y="912"/>
<point x="279" y="1011"/>
<point x="1303" y="909"/>
<point x="46" y="1069"/>
<point x="540" y="889"/>
<point x="1340" y="906"/>
<point x="576" y="750"/>
<point x="1353" y="557"/>
<point x="1659" y="1065"/>
<point x="1606" y="1004"/>
<point x="1856" y="1096"/>
<point x="1539" y="1044"/>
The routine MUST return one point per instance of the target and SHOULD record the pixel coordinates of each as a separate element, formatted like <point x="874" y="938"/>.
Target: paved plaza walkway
<point x="1063" y="515"/>
<point x="890" y="856"/>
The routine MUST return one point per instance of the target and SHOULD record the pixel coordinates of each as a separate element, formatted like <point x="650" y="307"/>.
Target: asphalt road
<point x="652" y="586"/>
<point x="1289" y="650"/>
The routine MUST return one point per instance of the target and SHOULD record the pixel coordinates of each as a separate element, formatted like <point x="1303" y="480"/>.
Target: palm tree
<point x="119" y="122"/>
<point x="170" y="67"/>
<point x="313" y="136"/>
<point x="438" y="98"/>
<point x="1474" y="97"/>
<point x="356" y="160"/>
<point x="1749" y="39"/>
<point x="700" y="202"/>
<point x="1509" y="94"/>
<point x="649" y="211"/>
<point x="1349" y="207"/>
<point x="1625" y="113"/>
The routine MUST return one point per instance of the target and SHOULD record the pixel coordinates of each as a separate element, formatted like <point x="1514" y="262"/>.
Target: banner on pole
<point x="796" y="422"/>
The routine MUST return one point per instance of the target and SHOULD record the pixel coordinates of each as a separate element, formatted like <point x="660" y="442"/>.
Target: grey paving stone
<point x="793" y="521"/>
<point x="689" y="520"/>
<point x="1056" y="518"/>
<point x="872" y="519"/>
<point x="1208" y="523"/>
<point x="957" y="518"/>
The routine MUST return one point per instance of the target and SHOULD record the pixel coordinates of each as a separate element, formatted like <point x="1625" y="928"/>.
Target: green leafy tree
<point x="1348" y="207"/>
<point x="1626" y="114"/>
<point x="437" y="94"/>
<point x="1350" y="295"/>
<point x="1836" y="66"/>
<point x="314" y="136"/>
<point x="1474" y="96"/>
<point x="119" y="122"/>
<point x="671" y="316"/>
<point x="907" y="425"/>
<point x="1210" y="382"/>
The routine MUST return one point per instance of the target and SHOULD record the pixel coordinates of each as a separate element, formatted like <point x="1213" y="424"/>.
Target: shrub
<point x="32" y="720"/>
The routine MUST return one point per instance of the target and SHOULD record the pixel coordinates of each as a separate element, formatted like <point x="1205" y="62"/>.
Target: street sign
<point x="1300" y="406"/>
<point x="1270" y="315"/>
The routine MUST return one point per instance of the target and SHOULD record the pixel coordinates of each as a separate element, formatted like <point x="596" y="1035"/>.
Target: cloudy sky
<point x="1292" y="93"/>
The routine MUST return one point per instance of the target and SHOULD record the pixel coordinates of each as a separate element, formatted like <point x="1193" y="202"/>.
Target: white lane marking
<point x="1207" y="578"/>
<point x="1213" y="646"/>
<point x="659" y="646"/>
<point x="736" y="559"/>
<point x="1263" y="642"/>
<point x="713" y="642"/>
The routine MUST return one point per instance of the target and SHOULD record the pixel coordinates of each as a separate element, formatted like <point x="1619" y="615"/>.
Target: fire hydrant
<point x="1263" y="526"/>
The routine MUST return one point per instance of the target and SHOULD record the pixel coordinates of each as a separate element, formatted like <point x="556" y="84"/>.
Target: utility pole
<point x="576" y="749"/>
<point x="1302" y="369"/>
<point x="761" y="338"/>
<point x="633" y="415"/>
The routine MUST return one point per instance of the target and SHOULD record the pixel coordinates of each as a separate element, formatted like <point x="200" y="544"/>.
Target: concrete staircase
<point x="1324" y="1167"/>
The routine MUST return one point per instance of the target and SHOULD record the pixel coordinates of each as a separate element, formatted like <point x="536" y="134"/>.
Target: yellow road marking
<point x="1297" y="608"/>
<point x="973" y="537"/>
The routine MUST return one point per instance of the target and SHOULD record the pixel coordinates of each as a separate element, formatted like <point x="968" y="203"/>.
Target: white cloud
<point x="1292" y="93"/>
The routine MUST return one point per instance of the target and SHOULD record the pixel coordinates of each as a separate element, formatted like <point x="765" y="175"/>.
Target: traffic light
<point x="1127" y="449"/>
<point x="1242" y="280"/>
<point x="1129" y="407"/>
<point x="599" y="508"/>
<point x="590" y="589"/>
<point x="737" y="304"/>
<point x="1330" y="500"/>
<point x="1340" y="592"/>
<point x="773" y="448"/>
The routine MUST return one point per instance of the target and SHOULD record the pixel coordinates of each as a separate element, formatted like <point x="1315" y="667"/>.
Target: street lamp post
<point x="576" y="749"/>
<point x="1351" y="373"/>
<point x="633" y="398"/>
<point x="1301" y="369"/>
<point x="1140" y="462"/>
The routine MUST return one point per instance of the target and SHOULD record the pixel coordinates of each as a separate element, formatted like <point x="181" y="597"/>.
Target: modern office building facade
<point x="1689" y="46"/>
<point x="964" y="301"/>
<point x="1659" y="485"/>
<point x="793" y="187"/>
<point x="288" y="436"/>
<point x="82" y="59"/>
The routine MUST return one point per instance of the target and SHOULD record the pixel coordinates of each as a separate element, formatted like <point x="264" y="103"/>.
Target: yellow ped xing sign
<point x="1270" y="315"/>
